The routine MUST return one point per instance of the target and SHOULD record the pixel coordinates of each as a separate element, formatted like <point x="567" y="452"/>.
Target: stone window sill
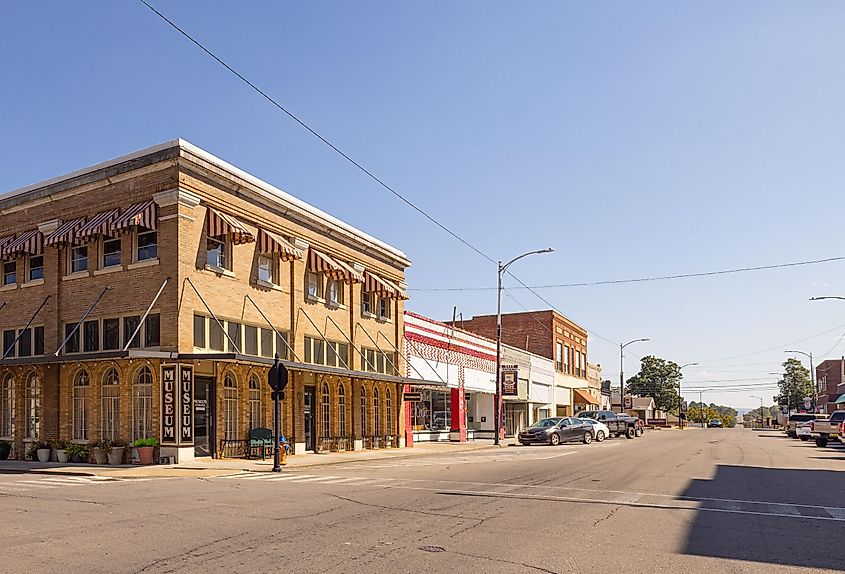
<point x="268" y="285"/>
<point x="33" y="283"/>
<point x="368" y="315"/>
<point x="10" y="287"/>
<point x="142" y="264"/>
<point x="220" y="271"/>
<point x="333" y="305"/>
<point x="381" y="319"/>
<point x="77" y="275"/>
<point x="314" y="299"/>
<point x="107" y="270"/>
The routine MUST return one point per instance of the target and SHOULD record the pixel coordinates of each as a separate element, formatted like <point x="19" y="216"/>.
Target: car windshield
<point x="588" y="415"/>
<point x="587" y="421"/>
<point x="545" y="423"/>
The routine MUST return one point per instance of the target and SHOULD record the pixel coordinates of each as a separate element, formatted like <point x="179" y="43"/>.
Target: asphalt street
<point x="715" y="501"/>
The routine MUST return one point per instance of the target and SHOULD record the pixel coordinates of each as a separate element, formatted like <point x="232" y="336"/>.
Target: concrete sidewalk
<point x="207" y="467"/>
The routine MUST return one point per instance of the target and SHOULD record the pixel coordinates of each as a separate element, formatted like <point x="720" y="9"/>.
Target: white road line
<point x="36" y="484"/>
<point x="786" y="509"/>
<point x="62" y="481"/>
<point x="836" y="512"/>
<point x="555" y="455"/>
<point x="316" y="478"/>
<point x="278" y="478"/>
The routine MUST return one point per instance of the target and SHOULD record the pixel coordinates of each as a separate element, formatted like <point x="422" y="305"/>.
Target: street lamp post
<point x="812" y="376"/>
<point x="680" y="397"/>
<point x="621" y="369"/>
<point x="497" y="407"/>
<point x="761" y="409"/>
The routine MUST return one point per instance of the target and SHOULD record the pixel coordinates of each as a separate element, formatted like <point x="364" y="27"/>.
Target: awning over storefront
<point x="30" y="242"/>
<point x="319" y="262"/>
<point x="138" y="215"/>
<point x="100" y="224"/>
<point x="269" y="242"/>
<point x="383" y="287"/>
<point x="219" y="223"/>
<point x="5" y="241"/>
<point x="583" y="398"/>
<point x="66" y="233"/>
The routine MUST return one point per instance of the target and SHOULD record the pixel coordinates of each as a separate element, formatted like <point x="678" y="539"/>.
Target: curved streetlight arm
<point x="634" y="341"/>
<point x="827" y="297"/>
<point x="504" y="267"/>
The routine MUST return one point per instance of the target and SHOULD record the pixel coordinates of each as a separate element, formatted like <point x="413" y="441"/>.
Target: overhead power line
<point x="639" y="279"/>
<point x="775" y="348"/>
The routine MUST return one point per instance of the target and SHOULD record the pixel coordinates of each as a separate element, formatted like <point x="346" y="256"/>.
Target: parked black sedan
<point x="556" y="430"/>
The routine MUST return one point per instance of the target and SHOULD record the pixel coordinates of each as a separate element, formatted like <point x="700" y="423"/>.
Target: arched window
<point x="363" y="410"/>
<point x="80" y="405"/>
<point x="255" y="403"/>
<point x="376" y="413"/>
<point x="7" y="406"/>
<point x="142" y="404"/>
<point x="230" y="407"/>
<point x="341" y="410"/>
<point x="388" y="407"/>
<point x="110" y="405"/>
<point x="33" y="406"/>
<point x="325" y="421"/>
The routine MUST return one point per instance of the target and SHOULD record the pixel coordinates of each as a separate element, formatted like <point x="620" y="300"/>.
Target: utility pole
<point x="621" y="369"/>
<point x="701" y="408"/>
<point x="680" y="397"/>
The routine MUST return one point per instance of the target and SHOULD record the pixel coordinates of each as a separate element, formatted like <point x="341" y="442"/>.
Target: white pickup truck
<point x="823" y="430"/>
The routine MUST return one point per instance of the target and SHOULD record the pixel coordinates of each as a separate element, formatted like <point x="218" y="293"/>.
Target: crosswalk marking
<point x="60" y="481"/>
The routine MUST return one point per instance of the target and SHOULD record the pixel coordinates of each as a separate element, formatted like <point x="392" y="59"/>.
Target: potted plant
<point x="61" y="454"/>
<point x="114" y="451"/>
<point x="146" y="447"/>
<point x="77" y="452"/>
<point x="5" y="449"/>
<point x="101" y="451"/>
<point x="39" y="451"/>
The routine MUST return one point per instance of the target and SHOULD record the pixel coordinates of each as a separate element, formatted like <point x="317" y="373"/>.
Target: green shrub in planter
<point x="77" y="452"/>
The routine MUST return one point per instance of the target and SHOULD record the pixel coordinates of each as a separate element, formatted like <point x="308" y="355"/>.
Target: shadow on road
<point x="745" y="529"/>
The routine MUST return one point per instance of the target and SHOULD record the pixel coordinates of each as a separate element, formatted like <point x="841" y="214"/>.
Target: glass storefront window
<point x="433" y="411"/>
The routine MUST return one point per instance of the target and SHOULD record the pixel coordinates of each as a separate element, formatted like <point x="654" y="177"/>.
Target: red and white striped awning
<point x="4" y="241"/>
<point x="138" y="215"/>
<point x="269" y="242"/>
<point x="319" y="262"/>
<point x="100" y="224"/>
<point x="31" y="242"/>
<point x="66" y="233"/>
<point x="219" y="223"/>
<point x="383" y="287"/>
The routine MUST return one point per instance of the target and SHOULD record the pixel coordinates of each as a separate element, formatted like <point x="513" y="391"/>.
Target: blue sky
<point x="638" y="139"/>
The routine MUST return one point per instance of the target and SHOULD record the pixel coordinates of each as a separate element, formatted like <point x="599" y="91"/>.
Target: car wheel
<point x="630" y="433"/>
<point x="791" y="435"/>
<point x="600" y="436"/>
<point x="804" y="437"/>
<point x="554" y="440"/>
<point x="821" y="442"/>
<point x="523" y="443"/>
<point x="588" y="437"/>
<point x="639" y="432"/>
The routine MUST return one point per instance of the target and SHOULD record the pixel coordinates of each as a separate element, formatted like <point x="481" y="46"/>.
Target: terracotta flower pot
<point x="145" y="454"/>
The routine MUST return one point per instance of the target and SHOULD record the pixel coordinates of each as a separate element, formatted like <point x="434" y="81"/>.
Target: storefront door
<point x="204" y="416"/>
<point x="310" y="419"/>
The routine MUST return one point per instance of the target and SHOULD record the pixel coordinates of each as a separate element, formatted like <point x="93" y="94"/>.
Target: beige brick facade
<point x="185" y="183"/>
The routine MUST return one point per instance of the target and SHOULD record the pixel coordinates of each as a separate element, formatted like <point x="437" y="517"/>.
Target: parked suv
<point x="823" y="430"/>
<point x="793" y="420"/>
<point x="617" y="423"/>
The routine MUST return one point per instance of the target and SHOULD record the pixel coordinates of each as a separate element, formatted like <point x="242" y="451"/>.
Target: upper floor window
<point x="313" y="285"/>
<point x="366" y="302"/>
<point x="559" y="356"/>
<point x="10" y="276"/>
<point x="146" y="244"/>
<point x="268" y="269"/>
<point x="218" y="252"/>
<point x="36" y="267"/>
<point x="332" y="354"/>
<point x="383" y="308"/>
<point x="111" y="252"/>
<point x="78" y="259"/>
<point x="334" y="292"/>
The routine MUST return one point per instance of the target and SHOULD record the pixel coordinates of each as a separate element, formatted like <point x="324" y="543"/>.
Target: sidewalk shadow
<point x="735" y="528"/>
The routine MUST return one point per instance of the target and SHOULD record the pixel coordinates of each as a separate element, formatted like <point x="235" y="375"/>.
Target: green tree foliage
<point x="795" y="384"/>
<point x="768" y="413"/>
<point x="659" y="379"/>
<point x="702" y="412"/>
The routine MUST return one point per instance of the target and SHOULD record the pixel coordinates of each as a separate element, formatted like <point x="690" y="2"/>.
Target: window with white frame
<point x="78" y="259"/>
<point x="110" y="405"/>
<point x="32" y="407"/>
<point x="146" y="244"/>
<point x="218" y="252"/>
<point x="7" y="406"/>
<point x="268" y="269"/>
<point x="325" y="414"/>
<point x="313" y="285"/>
<point x="110" y="252"/>
<point x="384" y="308"/>
<point x="363" y="406"/>
<point x="255" y="402"/>
<point x="366" y="301"/>
<point x="35" y="267"/>
<point x="331" y="354"/>
<point x="230" y="407"/>
<point x="376" y="412"/>
<point x="388" y="408"/>
<point x="375" y="361"/>
<point x="80" y="405"/>
<point x="250" y="346"/>
<point x="341" y="410"/>
<point x="334" y="292"/>
<point x="10" y="275"/>
<point x="142" y="404"/>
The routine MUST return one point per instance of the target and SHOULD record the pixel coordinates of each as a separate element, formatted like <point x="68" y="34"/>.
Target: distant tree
<point x="795" y="384"/>
<point x="701" y="412"/>
<point x="659" y="379"/>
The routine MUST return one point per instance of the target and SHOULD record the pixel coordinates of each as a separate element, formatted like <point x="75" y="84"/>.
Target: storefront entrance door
<point x="310" y="419"/>
<point x="204" y="416"/>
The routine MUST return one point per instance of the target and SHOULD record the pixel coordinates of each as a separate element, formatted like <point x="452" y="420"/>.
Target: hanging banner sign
<point x="186" y="396"/>
<point x="509" y="380"/>
<point x="177" y="405"/>
<point x="169" y="408"/>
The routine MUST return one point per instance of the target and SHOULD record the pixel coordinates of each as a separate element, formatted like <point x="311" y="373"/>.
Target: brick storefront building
<point x="551" y="335"/>
<point x="212" y="270"/>
<point x="828" y="384"/>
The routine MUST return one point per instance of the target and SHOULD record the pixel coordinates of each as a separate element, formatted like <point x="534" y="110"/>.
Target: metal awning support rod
<point x="85" y="316"/>
<point x="351" y="344"/>
<point x="147" y="312"/>
<point x="321" y="335"/>
<point x="389" y="342"/>
<point x="213" y="316"/>
<point x="279" y="335"/>
<point x="386" y="356"/>
<point x="21" y="332"/>
<point x="2" y="305"/>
